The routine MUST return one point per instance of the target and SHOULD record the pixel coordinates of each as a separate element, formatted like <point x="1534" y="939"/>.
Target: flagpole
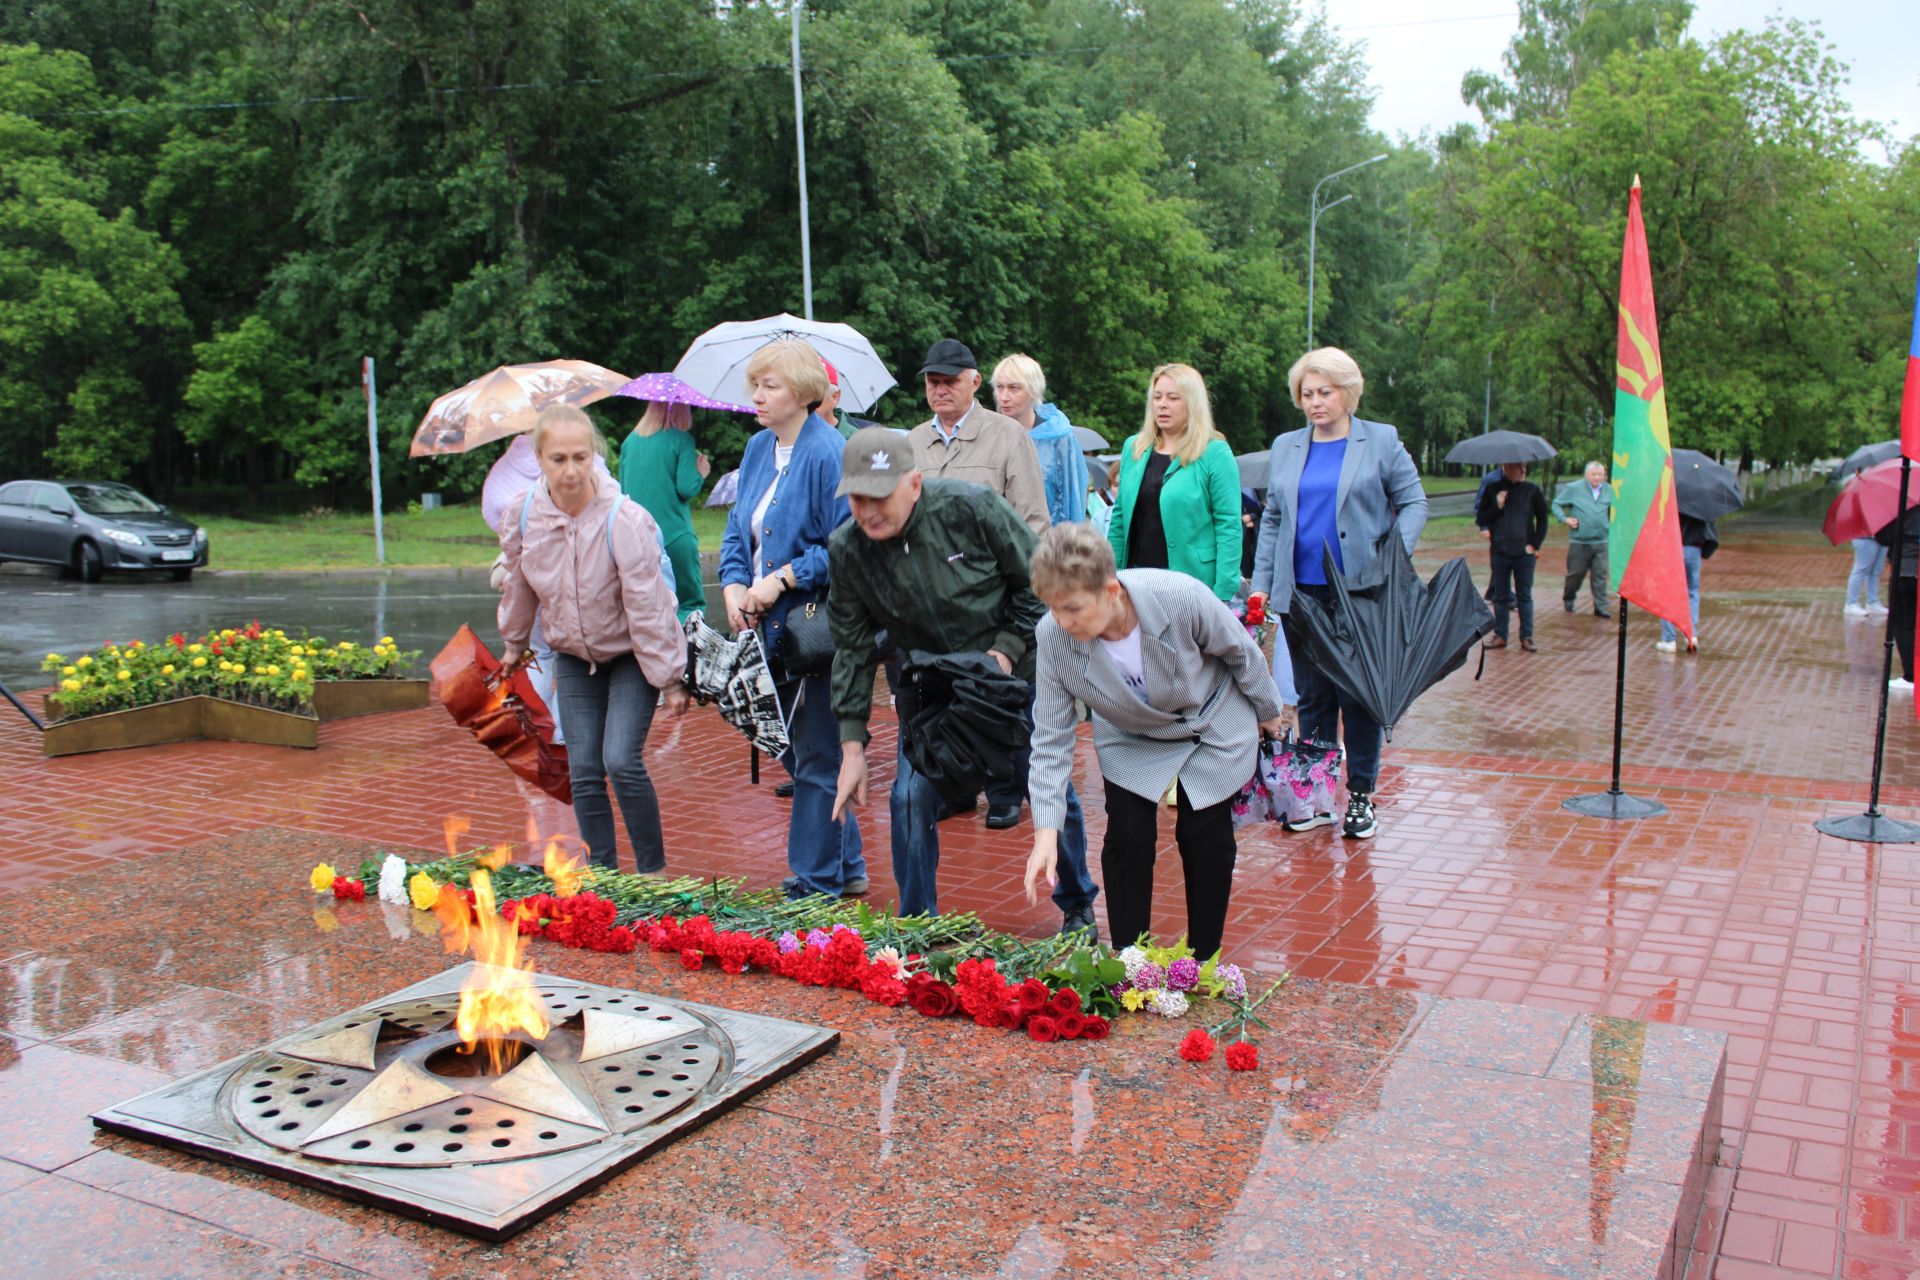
<point x="1874" y="826"/>
<point x="1613" y="802"/>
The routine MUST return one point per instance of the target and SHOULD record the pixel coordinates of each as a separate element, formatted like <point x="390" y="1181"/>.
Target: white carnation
<point x="1169" y="1004"/>
<point x="1134" y="959"/>
<point x="393" y="880"/>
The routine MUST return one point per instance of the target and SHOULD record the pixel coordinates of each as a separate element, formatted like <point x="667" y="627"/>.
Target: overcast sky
<point x="1417" y="51"/>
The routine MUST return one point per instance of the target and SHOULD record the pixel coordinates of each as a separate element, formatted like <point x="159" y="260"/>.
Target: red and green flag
<point x="1643" y="543"/>
<point x="1910" y="401"/>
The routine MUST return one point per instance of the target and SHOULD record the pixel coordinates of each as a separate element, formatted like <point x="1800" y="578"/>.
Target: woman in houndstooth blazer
<point x="1180" y="695"/>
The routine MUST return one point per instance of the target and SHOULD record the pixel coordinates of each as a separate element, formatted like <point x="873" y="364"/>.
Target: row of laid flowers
<point x="252" y="664"/>
<point x="1051" y="989"/>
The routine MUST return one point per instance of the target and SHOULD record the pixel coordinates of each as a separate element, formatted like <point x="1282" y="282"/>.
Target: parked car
<point x="87" y="527"/>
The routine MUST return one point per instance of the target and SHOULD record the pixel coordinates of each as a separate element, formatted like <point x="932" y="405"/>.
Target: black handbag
<point x="806" y="641"/>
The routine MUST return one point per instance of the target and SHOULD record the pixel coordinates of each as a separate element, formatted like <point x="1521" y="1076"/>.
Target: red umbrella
<point x="1868" y="503"/>
<point x="508" y="718"/>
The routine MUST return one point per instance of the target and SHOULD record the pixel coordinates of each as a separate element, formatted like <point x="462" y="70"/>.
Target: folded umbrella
<point x="716" y="361"/>
<point x="963" y="721"/>
<point x="1385" y="637"/>
<point x="1496" y="447"/>
<point x="1868" y="503"/>
<point x="732" y="673"/>
<point x="1705" y="489"/>
<point x="506" y="402"/>
<point x="507" y="716"/>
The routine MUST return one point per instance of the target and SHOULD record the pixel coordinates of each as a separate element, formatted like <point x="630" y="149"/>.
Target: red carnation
<point x="1033" y="995"/>
<point x="1242" y="1056"/>
<point x="884" y="989"/>
<point x="346" y="889"/>
<point x="620" y="940"/>
<point x="1072" y="1026"/>
<point x="1043" y="1028"/>
<point x="1197" y="1047"/>
<point x="1096" y="1029"/>
<point x="691" y="957"/>
<point x="1066" y="1000"/>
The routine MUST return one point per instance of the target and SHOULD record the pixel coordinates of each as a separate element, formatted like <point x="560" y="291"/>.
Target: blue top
<point x="802" y="514"/>
<point x="1062" y="465"/>
<point x="1319" y="525"/>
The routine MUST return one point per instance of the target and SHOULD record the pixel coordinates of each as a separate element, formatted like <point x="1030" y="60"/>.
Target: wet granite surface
<point x="1387" y="1133"/>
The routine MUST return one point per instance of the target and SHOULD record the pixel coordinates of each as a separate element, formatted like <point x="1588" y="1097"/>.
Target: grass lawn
<point x="1449" y="484"/>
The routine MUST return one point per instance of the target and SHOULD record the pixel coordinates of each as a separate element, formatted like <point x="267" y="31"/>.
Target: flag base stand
<point x="1873" y="828"/>
<point x="1613" y="804"/>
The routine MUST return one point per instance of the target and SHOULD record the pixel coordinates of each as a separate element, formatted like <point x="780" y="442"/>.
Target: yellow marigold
<point x="54" y="657"/>
<point x="200" y="662"/>
<point x="259" y="670"/>
<point x="299" y="673"/>
<point x="83" y="661"/>
<point x="273" y="668"/>
<point x="227" y="634"/>
<point x="194" y="648"/>
<point x="69" y="670"/>
<point x="387" y="640"/>
<point x="423" y="891"/>
<point x="167" y="670"/>
<point x="322" y="877"/>
<point x="346" y="644"/>
<point x="69" y="686"/>
<point x="297" y="652"/>
<point x="125" y="674"/>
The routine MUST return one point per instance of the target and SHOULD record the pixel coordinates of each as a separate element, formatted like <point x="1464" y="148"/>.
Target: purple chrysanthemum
<point x="1183" y="973"/>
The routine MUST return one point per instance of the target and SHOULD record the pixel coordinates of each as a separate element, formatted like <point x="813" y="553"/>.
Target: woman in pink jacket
<point x="588" y="561"/>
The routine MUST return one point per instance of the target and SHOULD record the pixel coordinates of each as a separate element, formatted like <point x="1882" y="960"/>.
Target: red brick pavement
<point x="1730" y="913"/>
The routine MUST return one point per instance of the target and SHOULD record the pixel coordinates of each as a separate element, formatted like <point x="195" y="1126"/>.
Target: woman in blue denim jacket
<point x="773" y="561"/>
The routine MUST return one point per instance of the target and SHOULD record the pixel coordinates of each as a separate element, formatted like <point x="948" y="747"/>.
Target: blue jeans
<point x="822" y="854"/>
<point x="1325" y="711"/>
<point x="1863" y="584"/>
<point x="915" y="806"/>
<point x="608" y="712"/>
<point x="1691" y="557"/>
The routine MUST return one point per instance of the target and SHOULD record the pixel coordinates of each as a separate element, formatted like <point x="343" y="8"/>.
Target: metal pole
<point x="800" y="146"/>
<point x="1486" y="412"/>
<point x="34" y="720"/>
<point x="1619" y="696"/>
<point x="1613" y="802"/>
<point x="1314" y="210"/>
<point x="373" y="454"/>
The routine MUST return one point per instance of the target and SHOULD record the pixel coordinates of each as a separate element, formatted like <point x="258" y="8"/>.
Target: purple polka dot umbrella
<point x="668" y="389"/>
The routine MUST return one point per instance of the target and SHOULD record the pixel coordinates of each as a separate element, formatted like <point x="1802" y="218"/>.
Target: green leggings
<point x="684" y="553"/>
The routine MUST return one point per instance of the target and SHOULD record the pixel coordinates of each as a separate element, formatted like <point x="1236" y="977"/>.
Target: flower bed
<point x="253" y="666"/>
<point x="1051" y="988"/>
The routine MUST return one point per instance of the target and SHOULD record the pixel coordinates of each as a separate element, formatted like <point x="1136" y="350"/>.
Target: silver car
<point x="87" y="527"/>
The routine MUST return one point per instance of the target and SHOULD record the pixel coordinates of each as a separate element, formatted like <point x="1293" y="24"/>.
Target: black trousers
<point x="1205" y="840"/>
<point x="1901" y="610"/>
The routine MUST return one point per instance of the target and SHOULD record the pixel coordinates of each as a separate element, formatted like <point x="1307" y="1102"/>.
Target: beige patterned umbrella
<point x="506" y="402"/>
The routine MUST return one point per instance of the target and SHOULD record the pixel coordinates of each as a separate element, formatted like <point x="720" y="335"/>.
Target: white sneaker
<point x="1856" y="611"/>
<point x="1878" y="609"/>
<point x="1899" y="685"/>
<point x="1666" y="646"/>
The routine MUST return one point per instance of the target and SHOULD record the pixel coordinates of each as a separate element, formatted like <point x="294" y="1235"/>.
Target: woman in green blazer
<point x="661" y="470"/>
<point x="1178" y="503"/>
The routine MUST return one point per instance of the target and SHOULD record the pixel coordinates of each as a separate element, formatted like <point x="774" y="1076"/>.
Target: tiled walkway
<point x="1730" y="913"/>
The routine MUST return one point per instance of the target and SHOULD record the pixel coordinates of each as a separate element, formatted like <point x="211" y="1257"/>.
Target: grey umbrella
<point x="1090" y="441"/>
<point x="1496" y="447"/>
<point x="1253" y="469"/>
<point x="1705" y="489"/>
<point x="1865" y="456"/>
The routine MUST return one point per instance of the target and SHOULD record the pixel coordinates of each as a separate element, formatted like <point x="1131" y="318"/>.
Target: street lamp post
<point x="800" y="145"/>
<point x="1313" y="229"/>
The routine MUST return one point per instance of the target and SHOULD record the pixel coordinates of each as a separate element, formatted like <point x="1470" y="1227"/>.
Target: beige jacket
<point x="990" y="449"/>
<point x="593" y="605"/>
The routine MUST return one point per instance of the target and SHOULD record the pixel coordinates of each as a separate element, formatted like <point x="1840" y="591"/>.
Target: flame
<point x="565" y="870"/>
<point x="498" y="998"/>
<point x="454" y="826"/>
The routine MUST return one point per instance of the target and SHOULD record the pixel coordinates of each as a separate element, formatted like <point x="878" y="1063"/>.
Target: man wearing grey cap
<point x="941" y="565"/>
<point x="964" y="440"/>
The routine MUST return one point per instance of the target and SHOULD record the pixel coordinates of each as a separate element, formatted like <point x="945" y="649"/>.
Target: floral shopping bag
<point x="1293" y="778"/>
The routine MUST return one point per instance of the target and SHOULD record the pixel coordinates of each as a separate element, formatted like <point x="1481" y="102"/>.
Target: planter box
<point x="181" y="720"/>
<point x="339" y="699"/>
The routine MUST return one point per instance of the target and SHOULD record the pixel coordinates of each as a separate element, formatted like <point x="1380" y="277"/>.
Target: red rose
<point x="1011" y="1015"/>
<point x="691" y="957"/>
<point x="1034" y="995"/>
<point x="1096" y="1029"/>
<point x="1043" y="1028"/>
<point x="1197" y="1047"/>
<point x="1066" y="1000"/>
<point x="932" y="997"/>
<point x="1242" y="1056"/>
<point x="1072" y="1026"/>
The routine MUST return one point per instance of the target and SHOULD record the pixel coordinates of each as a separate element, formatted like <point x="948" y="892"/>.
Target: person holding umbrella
<point x="588" y="563"/>
<point x="662" y="471"/>
<point x="1334" y="488"/>
<point x="1178" y="502"/>
<point x="774" y="568"/>
<point x="1179" y="695"/>
<point x="1020" y="392"/>
<point x="1512" y="516"/>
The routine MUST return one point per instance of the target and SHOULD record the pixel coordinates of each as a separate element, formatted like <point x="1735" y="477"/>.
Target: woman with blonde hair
<point x="662" y="471"/>
<point x="588" y="562"/>
<point x="1178" y="502"/>
<point x="773" y="570"/>
<point x="1335" y="487"/>
<point x="1020" y="392"/>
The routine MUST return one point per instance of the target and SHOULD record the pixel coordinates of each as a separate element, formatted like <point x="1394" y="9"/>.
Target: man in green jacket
<point x="941" y="566"/>
<point x="1585" y="506"/>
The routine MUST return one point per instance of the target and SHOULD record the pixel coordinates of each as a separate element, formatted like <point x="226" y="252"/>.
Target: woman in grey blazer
<point x="1334" y="486"/>
<point x="1180" y="696"/>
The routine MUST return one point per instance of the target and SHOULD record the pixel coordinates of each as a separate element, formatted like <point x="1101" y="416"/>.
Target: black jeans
<point x="1328" y="715"/>
<point x="1205" y="840"/>
<point x="607" y="712"/>
<point x="1513" y="576"/>
<point x="1901" y="610"/>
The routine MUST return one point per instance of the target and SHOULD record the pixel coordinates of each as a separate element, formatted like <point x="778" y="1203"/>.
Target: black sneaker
<point x="1080" y="921"/>
<point x="1359" y="824"/>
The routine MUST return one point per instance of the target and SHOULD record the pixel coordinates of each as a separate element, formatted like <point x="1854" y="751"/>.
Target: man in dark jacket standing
<point x="941" y="566"/>
<point x="1513" y="518"/>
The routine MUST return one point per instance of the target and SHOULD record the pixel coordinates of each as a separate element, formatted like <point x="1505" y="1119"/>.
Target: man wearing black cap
<point x="941" y="565"/>
<point x="964" y="440"/>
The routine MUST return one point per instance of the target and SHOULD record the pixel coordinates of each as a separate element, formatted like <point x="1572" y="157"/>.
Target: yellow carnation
<point x="1133" y="1000"/>
<point x="70" y="686"/>
<point x="423" y="891"/>
<point x="322" y="878"/>
<point x="69" y="670"/>
<point x="387" y="640"/>
<point x="193" y="648"/>
<point x="167" y="670"/>
<point x="273" y="668"/>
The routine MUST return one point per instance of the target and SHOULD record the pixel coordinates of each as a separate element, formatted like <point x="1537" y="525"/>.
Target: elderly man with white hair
<point x="1585" y="506"/>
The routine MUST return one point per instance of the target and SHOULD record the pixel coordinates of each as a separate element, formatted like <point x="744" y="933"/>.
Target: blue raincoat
<point x="1062" y="466"/>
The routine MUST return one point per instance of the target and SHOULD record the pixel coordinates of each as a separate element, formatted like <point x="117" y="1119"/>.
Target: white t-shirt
<point x="782" y="455"/>
<point x="1125" y="655"/>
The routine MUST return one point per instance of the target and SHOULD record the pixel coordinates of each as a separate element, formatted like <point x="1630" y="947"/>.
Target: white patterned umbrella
<point x="716" y="362"/>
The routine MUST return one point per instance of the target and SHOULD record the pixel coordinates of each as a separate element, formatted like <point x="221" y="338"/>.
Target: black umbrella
<point x="1705" y="489"/>
<point x="1386" y="637"/>
<point x="963" y="721"/>
<point x="1496" y="447"/>
<point x="1253" y="469"/>
<point x="1867" y="455"/>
